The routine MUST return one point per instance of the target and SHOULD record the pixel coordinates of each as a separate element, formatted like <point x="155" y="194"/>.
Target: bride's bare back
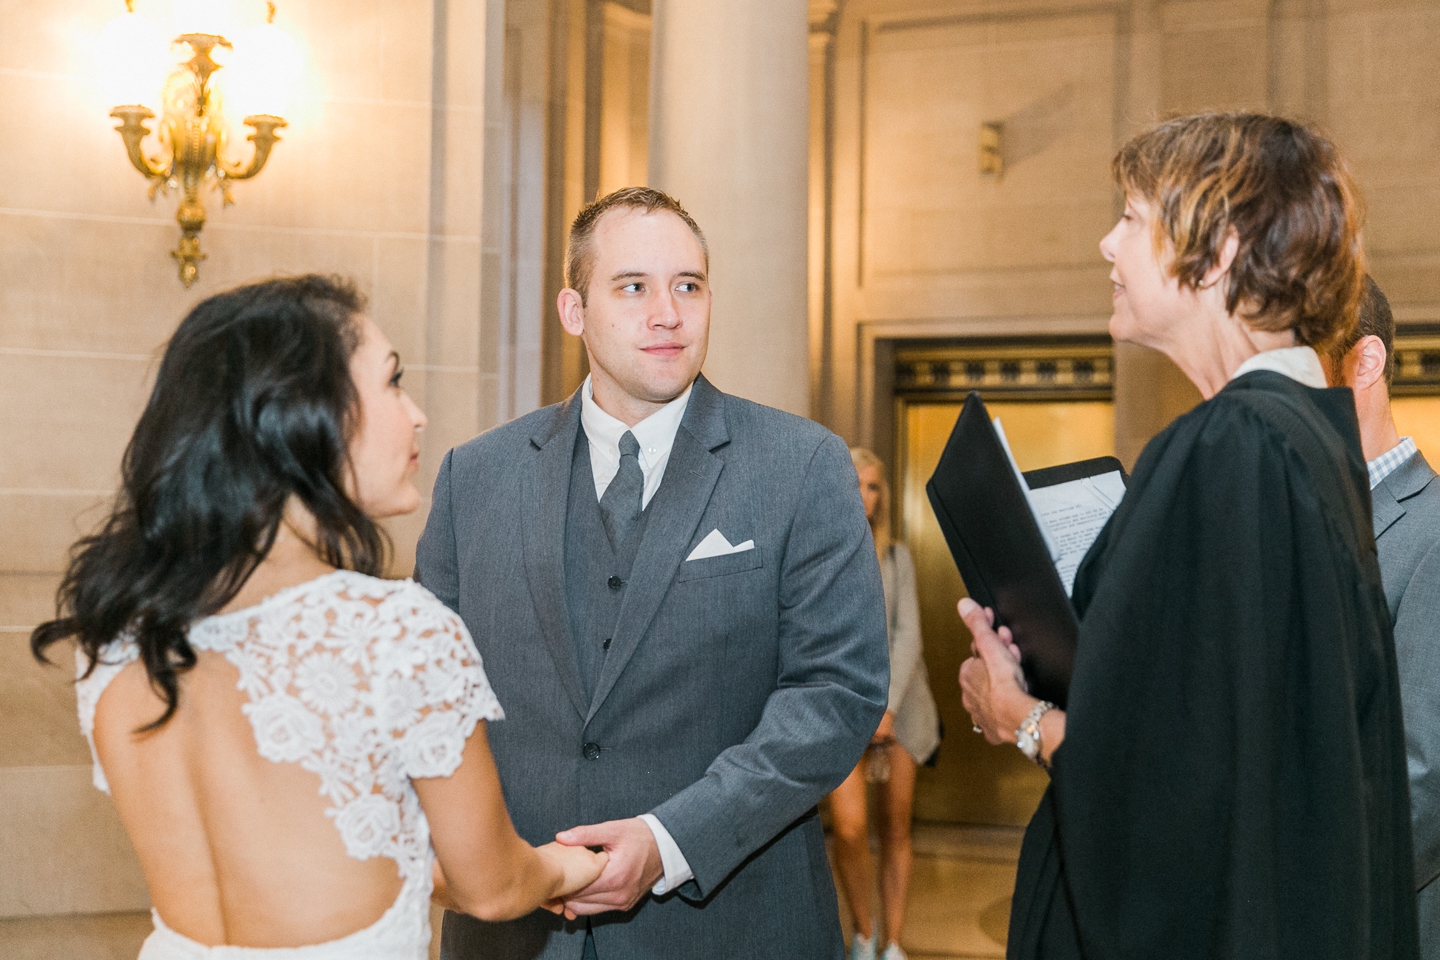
<point x="276" y="807"/>
<point x="235" y="848"/>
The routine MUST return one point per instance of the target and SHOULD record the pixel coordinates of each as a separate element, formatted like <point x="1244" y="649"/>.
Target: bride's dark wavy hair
<point x="253" y="404"/>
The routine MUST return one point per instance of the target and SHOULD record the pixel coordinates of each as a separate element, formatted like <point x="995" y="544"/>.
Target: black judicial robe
<point x="1232" y="780"/>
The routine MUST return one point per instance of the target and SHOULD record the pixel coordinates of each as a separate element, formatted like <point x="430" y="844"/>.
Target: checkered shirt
<point x="1385" y="464"/>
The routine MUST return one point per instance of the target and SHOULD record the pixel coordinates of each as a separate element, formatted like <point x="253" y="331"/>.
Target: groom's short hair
<point x="580" y="258"/>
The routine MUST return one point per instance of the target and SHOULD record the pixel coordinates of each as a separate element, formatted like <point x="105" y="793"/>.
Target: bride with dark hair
<point x="245" y="676"/>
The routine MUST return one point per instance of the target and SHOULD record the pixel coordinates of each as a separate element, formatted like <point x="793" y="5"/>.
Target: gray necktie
<point x="620" y="507"/>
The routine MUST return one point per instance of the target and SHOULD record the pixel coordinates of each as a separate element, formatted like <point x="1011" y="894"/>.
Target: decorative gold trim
<point x="1417" y="364"/>
<point x="1021" y="371"/>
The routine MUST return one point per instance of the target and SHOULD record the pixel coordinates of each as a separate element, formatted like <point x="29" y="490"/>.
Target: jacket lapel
<point x="543" y="507"/>
<point x="690" y="478"/>
<point x="1385" y="509"/>
<point x="1387" y="500"/>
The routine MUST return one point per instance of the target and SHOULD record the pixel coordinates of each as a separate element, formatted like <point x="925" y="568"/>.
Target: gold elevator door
<point x="974" y="782"/>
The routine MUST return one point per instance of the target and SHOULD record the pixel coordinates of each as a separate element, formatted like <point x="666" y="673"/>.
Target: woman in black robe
<point x="1228" y="779"/>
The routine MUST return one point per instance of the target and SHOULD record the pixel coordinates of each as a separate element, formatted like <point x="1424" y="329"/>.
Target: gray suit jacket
<point x="1407" y="534"/>
<point x="737" y="692"/>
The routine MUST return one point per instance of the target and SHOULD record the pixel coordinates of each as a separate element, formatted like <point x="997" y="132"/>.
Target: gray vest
<point x="595" y="575"/>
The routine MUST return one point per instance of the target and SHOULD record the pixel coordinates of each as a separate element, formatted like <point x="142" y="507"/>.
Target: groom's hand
<point x="634" y="866"/>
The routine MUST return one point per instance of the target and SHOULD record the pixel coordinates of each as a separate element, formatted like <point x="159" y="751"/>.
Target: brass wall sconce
<point x="257" y="70"/>
<point x="992" y="159"/>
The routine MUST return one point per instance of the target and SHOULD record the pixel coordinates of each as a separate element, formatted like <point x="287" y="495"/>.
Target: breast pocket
<point x="720" y="566"/>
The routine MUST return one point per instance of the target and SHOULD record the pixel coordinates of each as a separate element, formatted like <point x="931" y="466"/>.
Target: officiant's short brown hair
<point x="1285" y="191"/>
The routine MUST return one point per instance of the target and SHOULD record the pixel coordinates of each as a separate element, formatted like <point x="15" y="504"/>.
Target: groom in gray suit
<point x="677" y="601"/>
<point x="1405" y="497"/>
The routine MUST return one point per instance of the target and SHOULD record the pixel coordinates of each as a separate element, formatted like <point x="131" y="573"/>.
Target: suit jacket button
<point x="615" y="583"/>
<point x="591" y="751"/>
<point x="606" y="644"/>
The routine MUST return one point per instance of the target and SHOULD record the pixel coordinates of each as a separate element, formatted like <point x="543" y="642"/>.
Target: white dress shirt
<point x="656" y="436"/>
<point x="1301" y="364"/>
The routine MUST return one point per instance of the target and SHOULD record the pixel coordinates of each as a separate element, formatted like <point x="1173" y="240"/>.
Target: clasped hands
<point x="629" y="867"/>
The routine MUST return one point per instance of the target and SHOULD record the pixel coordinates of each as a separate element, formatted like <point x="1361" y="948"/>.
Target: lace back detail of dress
<point x="363" y="682"/>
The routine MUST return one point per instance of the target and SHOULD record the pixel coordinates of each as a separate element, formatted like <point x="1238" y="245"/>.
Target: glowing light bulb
<point x="133" y="62"/>
<point x="262" y="73"/>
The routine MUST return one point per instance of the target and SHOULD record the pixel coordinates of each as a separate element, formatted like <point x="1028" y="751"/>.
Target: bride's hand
<point x="578" y="868"/>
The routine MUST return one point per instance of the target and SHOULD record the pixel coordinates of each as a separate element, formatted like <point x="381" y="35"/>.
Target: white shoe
<point x="893" y="952"/>
<point x="862" y="948"/>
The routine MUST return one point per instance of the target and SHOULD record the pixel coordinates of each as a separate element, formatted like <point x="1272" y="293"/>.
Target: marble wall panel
<point x="245" y="254"/>
<point x="40" y="39"/>
<point x="345" y="46"/>
<point x="62" y="154"/>
<point x="65" y="849"/>
<point x="928" y="210"/>
<point x="67" y="418"/>
<point x="1401" y="46"/>
<point x="26" y="599"/>
<point x="400" y="295"/>
<point x="1384" y="111"/>
<point x="452" y="402"/>
<point x="40" y="527"/>
<point x="406" y="44"/>
<point x="41" y="728"/>
<point x="357" y="165"/>
<point x="453" y="332"/>
<point x="456" y="188"/>
<point x="79" y="283"/>
<point x="1215" y="69"/>
<point x="1403" y="219"/>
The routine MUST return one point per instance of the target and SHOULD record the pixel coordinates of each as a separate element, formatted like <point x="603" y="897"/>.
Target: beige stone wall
<point x="378" y="178"/>
<point x="922" y="244"/>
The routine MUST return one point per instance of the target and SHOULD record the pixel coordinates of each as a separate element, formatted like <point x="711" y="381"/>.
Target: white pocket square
<point x="715" y="545"/>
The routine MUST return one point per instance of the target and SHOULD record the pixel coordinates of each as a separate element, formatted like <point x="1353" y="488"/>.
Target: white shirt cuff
<point x="677" y="869"/>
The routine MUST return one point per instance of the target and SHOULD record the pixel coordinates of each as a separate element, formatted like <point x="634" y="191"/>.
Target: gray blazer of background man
<point x="677" y="601"/>
<point x="1405" y="497"/>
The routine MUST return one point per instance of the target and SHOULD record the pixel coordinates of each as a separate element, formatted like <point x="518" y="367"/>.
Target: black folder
<point x="999" y="549"/>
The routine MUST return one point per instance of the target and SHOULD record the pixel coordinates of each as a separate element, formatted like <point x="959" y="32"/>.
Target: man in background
<point x="1406" y="501"/>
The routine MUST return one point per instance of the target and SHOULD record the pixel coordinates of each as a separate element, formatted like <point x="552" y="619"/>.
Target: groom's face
<point x="646" y="320"/>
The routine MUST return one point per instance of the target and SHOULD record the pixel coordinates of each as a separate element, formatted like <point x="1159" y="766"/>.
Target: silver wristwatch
<point x="1027" y="735"/>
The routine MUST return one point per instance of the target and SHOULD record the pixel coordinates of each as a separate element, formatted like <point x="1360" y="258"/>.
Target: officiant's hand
<point x="633" y="869"/>
<point x="992" y="685"/>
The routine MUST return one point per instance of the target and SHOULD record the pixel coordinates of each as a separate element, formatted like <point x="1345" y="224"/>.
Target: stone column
<point x="729" y="131"/>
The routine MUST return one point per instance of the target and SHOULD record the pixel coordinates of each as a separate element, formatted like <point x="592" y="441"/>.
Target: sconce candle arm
<point x="264" y="139"/>
<point x="133" y="131"/>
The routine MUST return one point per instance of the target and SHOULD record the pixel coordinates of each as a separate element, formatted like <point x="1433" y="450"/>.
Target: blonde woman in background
<point x="909" y="734"/>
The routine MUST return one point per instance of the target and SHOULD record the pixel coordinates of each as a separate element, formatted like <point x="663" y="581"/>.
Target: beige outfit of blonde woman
<point x="917" y="722"/>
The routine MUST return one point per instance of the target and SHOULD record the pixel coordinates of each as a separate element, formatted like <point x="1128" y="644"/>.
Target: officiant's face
<point x="646" y="319"/>
<point x="1147" y="299"/>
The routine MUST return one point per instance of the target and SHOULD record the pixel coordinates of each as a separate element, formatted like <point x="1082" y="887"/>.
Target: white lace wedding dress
<point x="365" y="683"/>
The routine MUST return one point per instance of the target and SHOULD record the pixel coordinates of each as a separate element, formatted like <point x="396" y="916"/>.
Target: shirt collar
<point x="1301" y="364"/>
<point x="1390" y="461"/>
<point x="655" y="434"/>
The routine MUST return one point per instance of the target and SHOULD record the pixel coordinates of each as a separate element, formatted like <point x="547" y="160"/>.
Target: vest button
<point x="615" y="583"/>
<point x="591" y="751"/>
<point x="606" y="644"/>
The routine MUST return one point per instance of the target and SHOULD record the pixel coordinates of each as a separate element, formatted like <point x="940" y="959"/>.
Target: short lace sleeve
<point x="114" y="658"/>
<point x="434" y="695"/>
